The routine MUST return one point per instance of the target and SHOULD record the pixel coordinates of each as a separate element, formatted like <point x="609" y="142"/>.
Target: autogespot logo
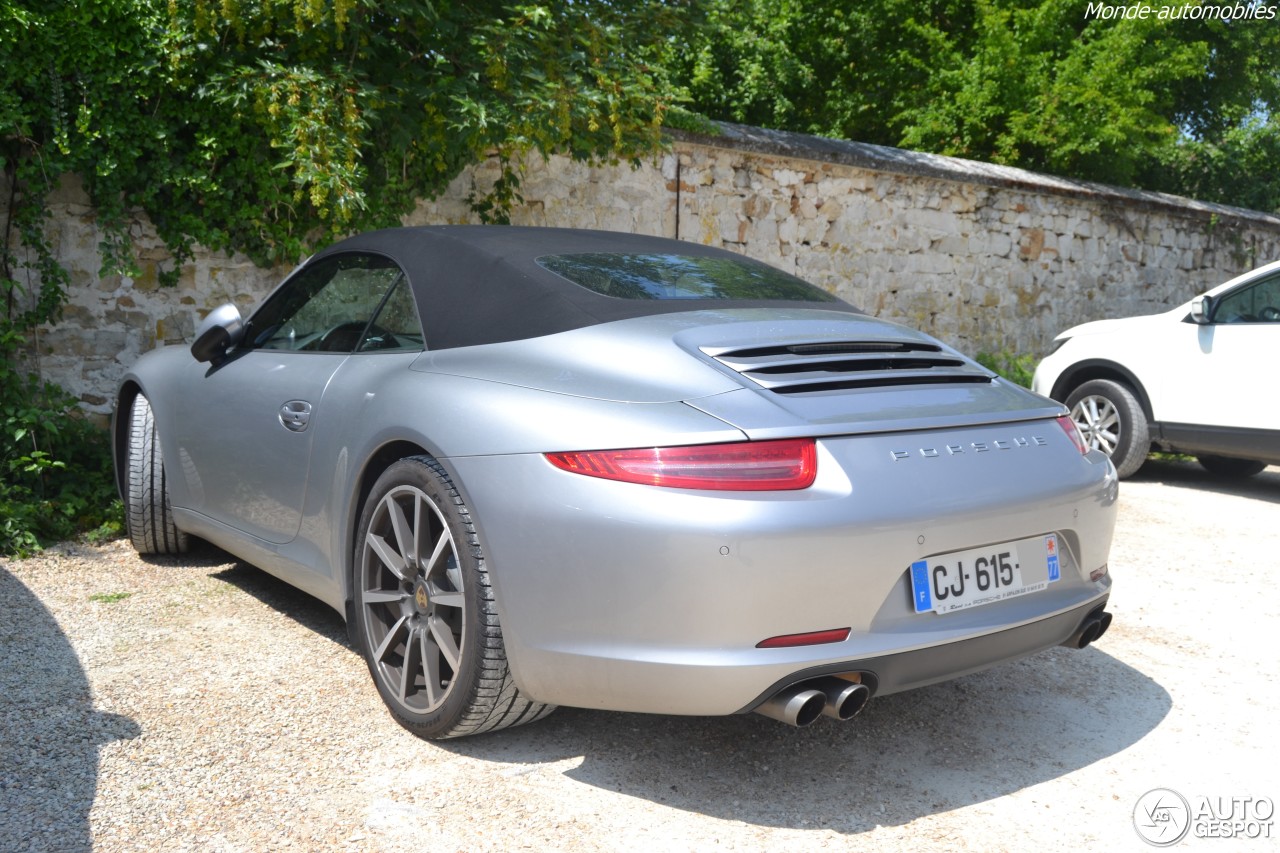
<point x="1162" y="817"/>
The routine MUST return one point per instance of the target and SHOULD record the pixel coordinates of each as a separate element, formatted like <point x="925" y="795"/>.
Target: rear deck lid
<point x="851" y="374"/>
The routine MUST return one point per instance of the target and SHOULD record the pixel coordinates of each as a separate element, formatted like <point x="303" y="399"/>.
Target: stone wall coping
<point x="881" y="158"/>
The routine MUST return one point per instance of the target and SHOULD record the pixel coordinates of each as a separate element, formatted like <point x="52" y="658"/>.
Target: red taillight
<point x="812" y="638"/>
<point x="1073" y="432"/>
<point x="747" y="466"/>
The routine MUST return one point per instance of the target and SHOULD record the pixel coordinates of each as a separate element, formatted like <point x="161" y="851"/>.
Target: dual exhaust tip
<point x="801" y="704"/>
<point x="841" y="699"/>
<point x="1093" y="627"/>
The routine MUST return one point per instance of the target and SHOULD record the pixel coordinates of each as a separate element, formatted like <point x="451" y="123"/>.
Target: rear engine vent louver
<point x="811" y="368"/>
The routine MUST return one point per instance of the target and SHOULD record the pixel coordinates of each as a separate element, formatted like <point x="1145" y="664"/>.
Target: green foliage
<point x="845" y="68"/>
<point x="55" y="467"/>
<point x="1044" y="89"/>
<point x="1238" y="167"/>
<point x="272" y="127"/>
<point x="297" y="123"/>
<point x="1185" y="106"/>
<point x="1018" y="369"/>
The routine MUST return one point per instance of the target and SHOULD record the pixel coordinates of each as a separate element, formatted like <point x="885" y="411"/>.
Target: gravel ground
<point x="199" y="704"/>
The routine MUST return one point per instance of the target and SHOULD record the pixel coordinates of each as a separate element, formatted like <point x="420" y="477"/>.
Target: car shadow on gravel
<point x="906" y="756"/>
<point x="281" y="597"/>
<point x="1189" y="475"/>
<point x="51" y="732"/>
<point x="286" y="600"/>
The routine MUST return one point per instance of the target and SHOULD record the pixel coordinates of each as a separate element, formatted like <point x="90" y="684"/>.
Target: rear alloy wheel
<point x="1111" y="420"/>
<point x="148" y="514"/>
<point x="1228" y="467"/>
<point x="425" y="612"/>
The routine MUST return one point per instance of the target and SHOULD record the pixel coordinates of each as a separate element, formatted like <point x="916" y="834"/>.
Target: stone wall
<point x="986" y="258"/>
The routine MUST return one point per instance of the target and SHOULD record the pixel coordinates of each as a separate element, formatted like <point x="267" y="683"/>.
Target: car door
<point x="1223" y="372"/>
<point x="247" y="431"/>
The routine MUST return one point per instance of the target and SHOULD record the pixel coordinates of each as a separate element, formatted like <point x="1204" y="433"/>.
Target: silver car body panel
<point x="631" y="597"/>
<point x="669" y="623"/>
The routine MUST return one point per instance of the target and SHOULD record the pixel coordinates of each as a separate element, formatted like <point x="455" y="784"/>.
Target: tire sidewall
<point x="1134" y="442"/>
<point x="1230" y="468"/>
<point x="424" y="475"/>
<point x="139" y="414"/>
<point x="146" y="491"/>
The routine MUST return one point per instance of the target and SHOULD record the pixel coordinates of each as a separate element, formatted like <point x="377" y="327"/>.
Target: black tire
<point x="148" y="513"/>
<point x="1230" y="468"/>
<point x="1110" y="419"/>
<point x="427" y="624"/>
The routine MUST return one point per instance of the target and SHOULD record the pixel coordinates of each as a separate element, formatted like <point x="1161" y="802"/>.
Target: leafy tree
<point x="1185" y="105"/>
<point x="260" y="125"/>
<point x="1045" y="89"/>
<point x="1228" y="143"/>
<point x="1237" y="167"/>
<point x="271" y="126"/>
<point x="844" y="69"/>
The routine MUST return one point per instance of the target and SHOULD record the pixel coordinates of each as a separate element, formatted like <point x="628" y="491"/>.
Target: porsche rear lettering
<point x="971" y="447"/>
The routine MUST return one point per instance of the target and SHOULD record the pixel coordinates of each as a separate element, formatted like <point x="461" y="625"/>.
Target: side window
<point x="1257" y="303"/>
<point x="396" y="326"/>
<point x="325" y="307"/>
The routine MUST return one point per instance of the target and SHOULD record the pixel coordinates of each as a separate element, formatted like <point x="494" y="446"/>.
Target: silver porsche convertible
<point x="536" y="467"/>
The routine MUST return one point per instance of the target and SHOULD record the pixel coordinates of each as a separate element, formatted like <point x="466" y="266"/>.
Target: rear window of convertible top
<point x="680" y="277"/>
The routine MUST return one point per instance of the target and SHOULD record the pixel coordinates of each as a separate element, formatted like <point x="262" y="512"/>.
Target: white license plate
<point x="963" y="579"/>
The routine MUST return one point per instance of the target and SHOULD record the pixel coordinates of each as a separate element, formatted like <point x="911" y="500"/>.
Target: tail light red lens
<point x="782" y="465"/>
<point x="1073" y="432"/>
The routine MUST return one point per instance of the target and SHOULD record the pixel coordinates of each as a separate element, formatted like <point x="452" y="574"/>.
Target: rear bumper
<point x="633" y="598"/>
<point x="895" y="673"/>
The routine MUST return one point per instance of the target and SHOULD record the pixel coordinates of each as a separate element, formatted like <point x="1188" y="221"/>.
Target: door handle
<point x="295" y="415"/>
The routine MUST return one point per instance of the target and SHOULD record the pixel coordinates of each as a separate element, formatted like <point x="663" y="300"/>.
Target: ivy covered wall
<point x="986" y="258"/>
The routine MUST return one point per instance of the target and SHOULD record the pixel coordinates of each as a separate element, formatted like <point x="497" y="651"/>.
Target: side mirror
<point x="1201" y="310"/>
<point x="218" y="332"/>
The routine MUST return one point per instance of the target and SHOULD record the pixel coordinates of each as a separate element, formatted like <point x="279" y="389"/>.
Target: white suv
<point x="1202" y="379"/>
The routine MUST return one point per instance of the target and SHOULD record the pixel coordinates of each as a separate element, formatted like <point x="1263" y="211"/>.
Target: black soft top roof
<point x="481" y="284"/>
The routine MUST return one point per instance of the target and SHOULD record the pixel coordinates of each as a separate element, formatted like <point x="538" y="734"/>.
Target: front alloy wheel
<point x="1110" y="419"/>
<point x="425" y="613"/>
<point x="1098" y="422"/>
